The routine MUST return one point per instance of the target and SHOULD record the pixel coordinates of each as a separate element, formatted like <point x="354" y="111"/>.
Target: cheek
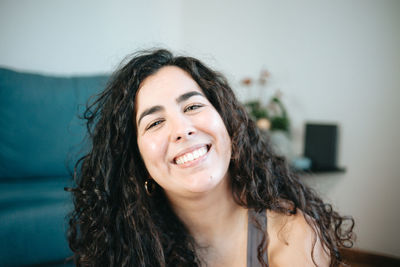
<point x="225" y="138"/>
<point x="146" y="148"/>
<point x="212" y="120"/>
<point x="153" y="147"/>
<point x="152" y="150"/>
<point x="216" y="124"/>
<point x="227" y="144"/>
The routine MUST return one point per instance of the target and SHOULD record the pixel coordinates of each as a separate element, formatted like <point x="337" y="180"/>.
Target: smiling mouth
<point x="193" y="155"/>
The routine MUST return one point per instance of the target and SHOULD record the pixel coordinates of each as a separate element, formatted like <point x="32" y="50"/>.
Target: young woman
<point x="179" y="175"/>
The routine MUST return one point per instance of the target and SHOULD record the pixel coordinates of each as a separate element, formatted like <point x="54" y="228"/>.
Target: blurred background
<point x="332" y="62"/>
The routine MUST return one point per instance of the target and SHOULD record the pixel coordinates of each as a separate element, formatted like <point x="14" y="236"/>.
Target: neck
<point x="212" y="217"/>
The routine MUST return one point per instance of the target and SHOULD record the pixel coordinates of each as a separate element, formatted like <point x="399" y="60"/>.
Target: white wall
<point x="334" y="61"/>
<point x="83" y="36"/>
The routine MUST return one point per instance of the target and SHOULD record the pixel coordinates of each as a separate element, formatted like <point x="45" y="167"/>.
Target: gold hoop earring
<point x="150" y="187"/>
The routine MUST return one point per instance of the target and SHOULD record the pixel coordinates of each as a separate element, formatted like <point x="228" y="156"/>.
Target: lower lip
<point x="194" y="162"/>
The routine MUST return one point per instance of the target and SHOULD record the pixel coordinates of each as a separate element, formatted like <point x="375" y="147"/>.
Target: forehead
<point x="167" y="83"/>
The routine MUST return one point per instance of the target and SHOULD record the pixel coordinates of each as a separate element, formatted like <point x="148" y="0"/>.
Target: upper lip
<point x="189" y="149"/>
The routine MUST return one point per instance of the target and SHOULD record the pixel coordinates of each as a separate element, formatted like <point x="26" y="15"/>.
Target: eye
<point x="153" y="124"/>
<point x="193" y="107"/>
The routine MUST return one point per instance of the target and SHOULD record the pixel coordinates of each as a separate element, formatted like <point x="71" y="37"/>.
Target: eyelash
<point x="193" y="107"/>
<point x="188" y="108"/>
<point x="154" y="124"/>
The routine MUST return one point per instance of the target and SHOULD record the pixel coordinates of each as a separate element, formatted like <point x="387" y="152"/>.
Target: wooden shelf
<point x="360" y="258"/>
<point x="322" y="171"/>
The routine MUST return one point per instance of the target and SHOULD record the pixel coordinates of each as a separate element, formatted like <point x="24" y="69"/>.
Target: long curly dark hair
<point x="115" y="223"/>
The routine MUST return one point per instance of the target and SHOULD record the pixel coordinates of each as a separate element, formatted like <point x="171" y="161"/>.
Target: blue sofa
<point x="41" y="138"/>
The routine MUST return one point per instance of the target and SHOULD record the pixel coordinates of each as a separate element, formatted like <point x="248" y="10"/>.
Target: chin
<point x="205" y="184"/>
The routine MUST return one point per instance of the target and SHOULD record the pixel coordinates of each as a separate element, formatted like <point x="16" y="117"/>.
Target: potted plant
<point x="272" y="118"/>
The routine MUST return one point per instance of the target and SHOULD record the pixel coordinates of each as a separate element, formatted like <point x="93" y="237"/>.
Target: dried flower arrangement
<point x="272" y="116"/>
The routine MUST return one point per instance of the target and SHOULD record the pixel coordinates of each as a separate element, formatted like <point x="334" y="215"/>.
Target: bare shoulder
<point x="291" y="241"/>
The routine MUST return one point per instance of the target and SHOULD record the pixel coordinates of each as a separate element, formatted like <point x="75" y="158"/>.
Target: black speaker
<point x="321" y="142"/>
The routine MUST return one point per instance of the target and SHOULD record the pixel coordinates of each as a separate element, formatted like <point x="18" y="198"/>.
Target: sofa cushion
<point x="33" y="221"/>
<point x="40" y="132"/>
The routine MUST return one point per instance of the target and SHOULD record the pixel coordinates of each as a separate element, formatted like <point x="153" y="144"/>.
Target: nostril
<point x="184" y="135"/>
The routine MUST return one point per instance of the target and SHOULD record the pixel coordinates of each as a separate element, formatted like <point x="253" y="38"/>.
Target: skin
<point x="291" y="241"/>
<point x="174" y="117"/>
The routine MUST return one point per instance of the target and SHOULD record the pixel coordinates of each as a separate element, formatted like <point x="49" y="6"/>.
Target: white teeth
<point x="191" y="156"/>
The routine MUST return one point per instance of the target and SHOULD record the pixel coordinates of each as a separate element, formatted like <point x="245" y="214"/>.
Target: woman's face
<point x="181" y="136"/>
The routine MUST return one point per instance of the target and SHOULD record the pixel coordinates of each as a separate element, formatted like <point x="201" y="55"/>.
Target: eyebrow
<point x="188" y="95"/>
<point x="180" y="99"/>
<point x="150" y="111"/>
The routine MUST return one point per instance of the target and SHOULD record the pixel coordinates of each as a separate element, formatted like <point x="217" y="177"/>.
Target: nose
<point x="182" y="129"/>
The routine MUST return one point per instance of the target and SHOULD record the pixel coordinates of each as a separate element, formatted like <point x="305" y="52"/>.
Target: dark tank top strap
<point x="254" y="237"/>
